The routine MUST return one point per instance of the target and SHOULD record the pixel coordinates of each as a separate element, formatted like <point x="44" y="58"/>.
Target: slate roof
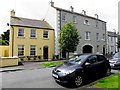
<point x="18" y="21"/>
<point x="57" y="8"/>
<point x="112" y="34"/>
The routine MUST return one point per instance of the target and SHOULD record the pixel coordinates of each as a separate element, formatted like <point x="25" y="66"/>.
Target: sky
<point x="37" y="9"/>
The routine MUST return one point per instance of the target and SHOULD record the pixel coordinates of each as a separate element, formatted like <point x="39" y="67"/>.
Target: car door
<point x="102" y="63"/>
<point x="90" y="66"/>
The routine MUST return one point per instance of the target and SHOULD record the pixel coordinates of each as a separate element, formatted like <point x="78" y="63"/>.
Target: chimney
<point x="52" y="3"/>
<point x="71" y="9"/>
<point x="84" y="12"/>
<point x="12" y="13"/>
<point x="96" y="16"/>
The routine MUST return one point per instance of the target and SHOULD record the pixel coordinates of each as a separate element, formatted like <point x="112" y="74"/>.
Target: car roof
<point x="89" y="54"/>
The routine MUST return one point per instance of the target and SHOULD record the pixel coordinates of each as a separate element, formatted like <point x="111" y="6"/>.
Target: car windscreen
<point x="117" y="55"/>
<point x="76" y="59"/>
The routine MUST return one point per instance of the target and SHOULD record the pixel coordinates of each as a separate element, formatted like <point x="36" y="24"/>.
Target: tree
<point x="69" y="38"/>
<point x="5" y="36"/>
<point x="2" y="42"/>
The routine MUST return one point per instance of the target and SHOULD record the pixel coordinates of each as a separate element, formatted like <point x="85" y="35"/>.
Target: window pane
<point x="20" y="50"/>
<point x="74" y="19"/>
<point x="63" y="17"/>
<point x="20" y="32"/>
<point x="33" y="50"/>
<point x="87" y="35"/>
<point x="33" y="33"/>
<point x="45" y="34"/>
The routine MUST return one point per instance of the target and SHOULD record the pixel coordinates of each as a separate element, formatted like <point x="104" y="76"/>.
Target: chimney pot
<point x="52" y="3"/>
<point x="12" y="13"/>
<point x="71" y="9"/>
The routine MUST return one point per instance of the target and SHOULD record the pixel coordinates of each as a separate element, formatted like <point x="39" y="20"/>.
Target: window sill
<point x="87" y="24"/>
<point x="87" y="39"/>
<point x="64" y="20"/>
<point x="45" y="38"/>
<point x="74" y="22"/>
<point x="21" y="37"/>
<point x="33" y="37"/>
<point x="97" y="27"/>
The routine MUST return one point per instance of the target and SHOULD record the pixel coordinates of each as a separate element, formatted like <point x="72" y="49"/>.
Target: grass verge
<point x="52" y="64"/>
<point x="110" y="82"/>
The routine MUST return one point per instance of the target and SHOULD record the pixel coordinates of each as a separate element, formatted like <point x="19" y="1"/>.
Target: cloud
<point x="36" y="9"/>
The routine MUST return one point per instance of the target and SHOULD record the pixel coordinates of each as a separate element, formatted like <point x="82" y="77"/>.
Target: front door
<point x="45" y="52"/>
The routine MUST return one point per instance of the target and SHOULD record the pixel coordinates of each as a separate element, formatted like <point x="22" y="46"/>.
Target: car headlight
<point x="67" y="72"/>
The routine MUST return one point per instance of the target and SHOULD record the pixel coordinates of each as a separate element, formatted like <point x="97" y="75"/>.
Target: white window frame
<point x="20" y="32"/>
<point x="87" y="35"/>
<point x="96" y="24"/>
<point x="97" y="36"/>
<point x="74" y="19"/>
<point x="103" y="37"/>
<point x="45" y="36"/>
<point x="33" y="33"/>
<point x="97" y="48"/>
<point x="20" y="50"/>
<point x="64" y="17"/>
<point x="32" y="50"/>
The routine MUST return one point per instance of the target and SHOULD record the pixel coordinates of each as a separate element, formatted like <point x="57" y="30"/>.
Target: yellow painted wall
<point x="8" y="61"/>
<point x="4" y="51"/>
<point x="39" y="41"/>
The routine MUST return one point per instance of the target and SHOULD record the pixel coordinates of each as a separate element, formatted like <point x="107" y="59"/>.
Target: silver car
<point x="115" y="61"/>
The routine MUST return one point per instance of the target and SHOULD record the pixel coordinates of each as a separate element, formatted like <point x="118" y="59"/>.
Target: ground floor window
<point x="97" y="48"/>
<point x="32" y="50"/>
<point x="20" y="50"/>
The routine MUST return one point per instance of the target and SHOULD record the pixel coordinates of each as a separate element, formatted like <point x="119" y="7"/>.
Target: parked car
<point x="115" y="61"/>
<point x="81" y="67"/>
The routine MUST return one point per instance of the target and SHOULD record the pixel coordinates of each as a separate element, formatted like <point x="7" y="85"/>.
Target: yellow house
<point x="30" y="37"/>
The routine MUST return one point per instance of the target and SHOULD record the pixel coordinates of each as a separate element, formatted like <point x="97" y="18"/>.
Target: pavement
<point x="25" y="66"/>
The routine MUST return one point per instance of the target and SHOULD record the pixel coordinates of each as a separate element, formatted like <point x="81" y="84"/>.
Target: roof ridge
<point x="27" y="18"/>
<point x="78" y="13"/>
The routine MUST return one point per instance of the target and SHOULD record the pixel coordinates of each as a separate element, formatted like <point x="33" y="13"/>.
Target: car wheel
<point x="108" y="71"/>
<point x="78" y="80"/>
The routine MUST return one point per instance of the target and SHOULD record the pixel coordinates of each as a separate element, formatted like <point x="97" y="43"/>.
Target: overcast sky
<point x="37" y="9"/>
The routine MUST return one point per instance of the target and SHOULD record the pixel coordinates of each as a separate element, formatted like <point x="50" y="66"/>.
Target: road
<point x="37" y="78"/>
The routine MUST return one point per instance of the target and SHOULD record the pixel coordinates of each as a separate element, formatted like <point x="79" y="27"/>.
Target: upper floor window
<point x="97" y="36"/>
<point x="96" y="24"/>
<point x="103" y="26"/>
<point x="33" y="33"/>
<point x="86" y="22"/>
<point x="63" y="17"/>
<point x="103" y="36"/>
<point x="32" y="50"/>
<point x="45" y="34"/>
<point x="21" y="32"/>
<point x="74" y="19"/>
<point x="87" y="35"/>
<point x="20" y="50"/>
<point x="111" y="39"/>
